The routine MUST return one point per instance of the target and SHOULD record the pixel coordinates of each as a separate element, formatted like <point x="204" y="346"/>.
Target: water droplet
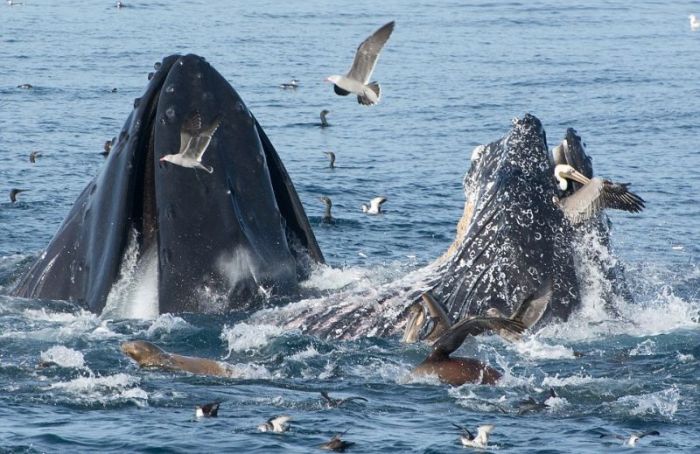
<point x="150" y="76"/>
<point x="137" y="101"/>
<point x="170" y="113"/>
<point x="170" y="88"/>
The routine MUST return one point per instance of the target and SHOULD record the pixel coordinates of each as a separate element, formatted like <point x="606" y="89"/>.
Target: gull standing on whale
<point x="194" y="141"/>
<point x="357" y="78"/>
<point x="595" y="195"/>
<point x="375" y="205"/>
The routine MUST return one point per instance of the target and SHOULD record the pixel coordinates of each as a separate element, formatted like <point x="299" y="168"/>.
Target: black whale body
<point x="233" y="232"/>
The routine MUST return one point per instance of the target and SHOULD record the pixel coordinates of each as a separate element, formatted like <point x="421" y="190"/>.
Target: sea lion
<point x="147" y="354"/>
<point x="458" y="371"/>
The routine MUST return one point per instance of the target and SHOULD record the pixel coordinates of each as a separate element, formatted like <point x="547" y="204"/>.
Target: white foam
<point x="165" y="324"/>
<point x="110" y="388"/>
<point x="63" y="357"/>
<point x="663" y="403"/>
<point x="249" y="371"/>
<point x="685" y="358"/>
<point x="531" y="347"/>
<point x="135" y="294"/>
<point x="574" y="380"/>
<point x="644" y="348"/>
<point x="309" y="352"/>
<point x="243" y="337"/>
<point x="324" y="277"/>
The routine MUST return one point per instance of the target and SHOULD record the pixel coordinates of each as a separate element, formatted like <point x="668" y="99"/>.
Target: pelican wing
<point x="530" y="311"/>
<point x="454" y="337"/>
<point x="368" y="53"/>
<point x="597" y="195"/>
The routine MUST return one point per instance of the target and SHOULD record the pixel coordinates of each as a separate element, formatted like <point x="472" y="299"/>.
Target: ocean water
<point x="453" y="74"/>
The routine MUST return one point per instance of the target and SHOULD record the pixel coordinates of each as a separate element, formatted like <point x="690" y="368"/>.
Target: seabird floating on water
<point x="357" y="78"/>
<point x="336" y="444"/>
<point x="694" y="22"/>
<point x="331" y="159"/>
<point x="531" y="404"/>
<point x="334" y="403"/>
<point x="375" y="205"/>
<point x="595" y="195"/>
<point x="33" y="155"/>
<point x="482" y="436"/>
<point x="194" y="141"/>
<point x="327" y="218"/>
<point x="13" y="194"/>
<point x="324" y="122"/>
<point x="275" y="424"/>
<point x="107" y="148"/>
<point x="291" y="85"/>
<point x="632" y="439"/>
<point x="210" y="410"/>
<point x="25" y="86"/>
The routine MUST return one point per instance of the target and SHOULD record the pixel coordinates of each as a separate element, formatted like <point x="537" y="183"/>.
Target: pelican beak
<point x="579" y="177"/>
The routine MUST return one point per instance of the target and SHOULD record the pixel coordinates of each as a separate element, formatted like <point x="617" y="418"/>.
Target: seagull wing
<point x="376" y="202"/>
<point x="596" y="195"/>
<point x="650" y="432"/>
<point x="454" y="337"/>
<point x="464" y="431"/>
<point x="199" y="141"/>
<point x="368" y="53"/>
<point x="530" y="311"/>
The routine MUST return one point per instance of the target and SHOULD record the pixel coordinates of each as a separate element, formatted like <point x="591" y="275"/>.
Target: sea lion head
<point x="144" y="353"/>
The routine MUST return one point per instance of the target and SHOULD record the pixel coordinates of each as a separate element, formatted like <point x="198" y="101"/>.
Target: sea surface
<point x="454" y="74"/>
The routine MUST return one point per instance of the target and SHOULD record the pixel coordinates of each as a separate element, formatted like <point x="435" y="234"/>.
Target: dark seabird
<point x="482" y="436"/>
<point x="210" y="410"/>
<point x="13" y="3"/>
<point x="275" y="424"/>
<point x="13" y="194"/>
<point x="334" y="403"/>
<point x="531" y="404"/>
<point x="107" y="148"/>
<point x="375" y="205"/>
<point x="33" y="155"/>
<point x="324" y="122"/>
<point x="336" y="444"/>
<point x="25" y="86"/>
<point x="291" y="85"/>
<point x="595" y="195"/>
<point x="194" y="140"/>
<point x="331" y="158"/>
<point x="114" y="90"/>
<point x="457" y="371"/>
<point x="327" y="218"/>
<point x="357" y="78"/>
<point x="632" y="439"/>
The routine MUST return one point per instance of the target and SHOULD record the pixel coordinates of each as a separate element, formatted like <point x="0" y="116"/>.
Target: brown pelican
<point x="595" y="195"/>
<point x="432" y="312"/>
<point x="528" y="313"/>
<point x="375" y="205"/>
<point x="356" y="80"/>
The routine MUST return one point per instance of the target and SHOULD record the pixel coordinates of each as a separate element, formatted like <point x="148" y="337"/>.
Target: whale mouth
<point x="224" y="222"/>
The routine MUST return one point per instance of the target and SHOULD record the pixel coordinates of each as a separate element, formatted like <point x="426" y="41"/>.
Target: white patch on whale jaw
<point x="135" y="293"/>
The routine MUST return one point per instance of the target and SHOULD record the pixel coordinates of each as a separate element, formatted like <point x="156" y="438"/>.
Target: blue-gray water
<point x="624" y="74"/>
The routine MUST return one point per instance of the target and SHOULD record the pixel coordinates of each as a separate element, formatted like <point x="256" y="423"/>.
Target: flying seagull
<point x="481" y="439"/>
<point x="595" y="195"/>
<point x="357" y="78"/>
<point x="210" y="410"/>
<point x="194" y="141"/>
<point x="632" y="439"/>
<point x="275" y="424"/>
<point x="375" y="205"/>
<point x="331" y="159"/>
<point x="33" y="155"/>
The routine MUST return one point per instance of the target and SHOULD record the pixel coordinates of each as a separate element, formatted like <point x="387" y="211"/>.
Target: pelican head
<point x="561" y="173"/>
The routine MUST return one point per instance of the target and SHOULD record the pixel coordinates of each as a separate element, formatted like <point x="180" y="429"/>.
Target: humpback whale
<point x="514" y="253"/>
<point x="232" y="235"/>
